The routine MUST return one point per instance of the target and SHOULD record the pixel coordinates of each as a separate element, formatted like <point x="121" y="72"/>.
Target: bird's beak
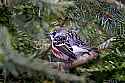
<point x="48" y="34"/>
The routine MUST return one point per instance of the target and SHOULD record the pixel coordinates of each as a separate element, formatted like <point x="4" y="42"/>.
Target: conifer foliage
<point x="25" y="54"/>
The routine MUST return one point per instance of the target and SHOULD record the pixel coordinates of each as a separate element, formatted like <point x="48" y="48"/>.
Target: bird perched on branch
<point x="67" y="46"/>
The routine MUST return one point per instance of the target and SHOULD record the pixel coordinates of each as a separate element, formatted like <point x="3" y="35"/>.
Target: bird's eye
<point x="54" y="33"/>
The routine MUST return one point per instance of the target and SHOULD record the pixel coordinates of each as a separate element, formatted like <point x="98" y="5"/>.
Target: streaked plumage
<point x="68" y="46"/>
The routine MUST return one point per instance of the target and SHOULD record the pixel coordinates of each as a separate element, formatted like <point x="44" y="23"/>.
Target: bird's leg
<point x="60" y="66"/>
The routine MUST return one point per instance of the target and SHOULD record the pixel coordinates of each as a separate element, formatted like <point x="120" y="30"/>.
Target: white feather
<point x="78" y="49"/>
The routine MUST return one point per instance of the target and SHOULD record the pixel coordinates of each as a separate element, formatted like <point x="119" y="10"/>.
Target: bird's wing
<point x="67" y="50"/>
<point x="74" y="39"/>
<point x="78" y="49"/>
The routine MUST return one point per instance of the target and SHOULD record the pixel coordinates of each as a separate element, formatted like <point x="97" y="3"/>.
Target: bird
<point x="68" y="46"/>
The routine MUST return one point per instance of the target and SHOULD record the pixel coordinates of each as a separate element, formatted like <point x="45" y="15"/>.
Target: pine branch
<point x="106" y="44"/>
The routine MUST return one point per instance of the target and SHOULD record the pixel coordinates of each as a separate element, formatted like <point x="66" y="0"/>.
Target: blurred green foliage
<point x="28" y="23"/>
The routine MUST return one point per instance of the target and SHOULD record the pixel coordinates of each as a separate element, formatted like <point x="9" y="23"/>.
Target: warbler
<point x="68" y="46"/>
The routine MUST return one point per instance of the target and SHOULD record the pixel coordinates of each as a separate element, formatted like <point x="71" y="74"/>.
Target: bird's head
<point x="57" y="33"/>
<point x="52" y="35"/>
